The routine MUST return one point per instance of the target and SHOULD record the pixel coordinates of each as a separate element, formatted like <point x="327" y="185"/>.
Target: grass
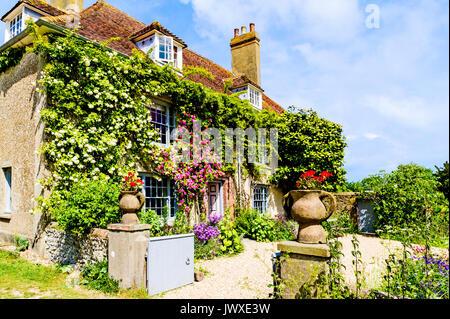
<point x="21" y="279"/>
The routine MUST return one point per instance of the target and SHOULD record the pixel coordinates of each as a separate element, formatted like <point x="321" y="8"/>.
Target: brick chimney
<point x="245" y="56"/>
<point x="75" y="6"/>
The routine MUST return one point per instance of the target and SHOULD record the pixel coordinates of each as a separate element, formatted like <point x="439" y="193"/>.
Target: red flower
<point x="126" y="179"/>
<point x="139" y="181"/>
<point x="318" y="178"/>
<point x="326" y="174"/>
<point x="310" y="173"/>
<point x="132" y="184"/>
<point x="130" y="174"/>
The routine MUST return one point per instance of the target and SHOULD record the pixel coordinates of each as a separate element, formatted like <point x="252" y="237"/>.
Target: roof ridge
<point x="102" y="2"/>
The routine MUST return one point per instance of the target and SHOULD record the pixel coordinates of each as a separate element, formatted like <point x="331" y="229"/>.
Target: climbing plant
<point x="97" y="119"/>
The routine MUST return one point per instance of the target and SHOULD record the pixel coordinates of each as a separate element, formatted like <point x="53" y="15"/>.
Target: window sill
<point x="5" y="216"/>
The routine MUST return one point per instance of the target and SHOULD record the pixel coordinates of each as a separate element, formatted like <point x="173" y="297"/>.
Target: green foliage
<point x="190" y="70"/>
<point x="229" y="238"/>
<point x="95" y="276"/>
<point x="21" y="243"/>
<point x="442" y="175"/>
<point x="208" y="249"/>
<point x="87" y="204"/>
<point x="308" y="142"/>
<point x="148" y="216"/>
<point x="261" y="227"/>
<point x="402" y="197"/>
<point x="10" y="58"/>
<point x="417" y="276"/>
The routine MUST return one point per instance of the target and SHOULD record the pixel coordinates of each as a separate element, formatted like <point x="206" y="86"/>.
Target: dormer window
<point x="250" y="93"/>
<point x="16" y="18"/>
<point x="164" y="49"/>
<point x="15" y="25"/>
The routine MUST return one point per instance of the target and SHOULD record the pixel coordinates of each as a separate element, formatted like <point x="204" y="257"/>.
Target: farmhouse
<point x="22" y="131"/>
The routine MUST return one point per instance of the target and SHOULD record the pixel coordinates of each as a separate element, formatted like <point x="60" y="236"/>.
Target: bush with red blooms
<point x="131" y="183"/>
<point x="309" y="180"/>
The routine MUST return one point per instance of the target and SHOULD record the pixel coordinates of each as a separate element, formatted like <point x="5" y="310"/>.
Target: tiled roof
<point x="40" y="5"/>
<point x="156" y="26"/>
<point x="101" y="22"/>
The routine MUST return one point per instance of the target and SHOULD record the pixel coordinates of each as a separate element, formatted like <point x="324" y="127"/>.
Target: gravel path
<point x="248" y="274"/>
<point x="243" y="276"/>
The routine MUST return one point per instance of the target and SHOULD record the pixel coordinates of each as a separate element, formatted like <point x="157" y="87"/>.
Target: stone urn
<point x="306" y="208"/>
<point x="130" y="202"/>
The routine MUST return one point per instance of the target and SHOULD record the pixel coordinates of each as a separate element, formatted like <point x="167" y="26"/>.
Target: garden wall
<point x="346" y="203"/>
<point x="67" y="249"/>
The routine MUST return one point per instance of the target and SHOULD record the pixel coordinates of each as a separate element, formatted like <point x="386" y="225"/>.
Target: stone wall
<point x="346" y="204"/>
<point x="67" y="249"/>
<point x="21" y="135"/>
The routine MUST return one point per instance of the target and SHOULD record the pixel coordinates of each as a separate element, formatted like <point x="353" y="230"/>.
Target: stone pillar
<point x="299" y="267"/>
<point x="127" y="248"/>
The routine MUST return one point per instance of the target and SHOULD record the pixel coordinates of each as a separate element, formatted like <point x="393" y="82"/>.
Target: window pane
<point x="260" y="194"/>
<point x="159" y="195"/>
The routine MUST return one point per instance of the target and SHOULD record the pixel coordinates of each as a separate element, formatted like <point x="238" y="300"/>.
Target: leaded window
<point x="15" y="26"/>
<point x="160" y="195"/>
<point x="255" y="97"/>
<point x="260" y="195"/>
<point x="166" y="49"/>
<point x="164" y="122"/>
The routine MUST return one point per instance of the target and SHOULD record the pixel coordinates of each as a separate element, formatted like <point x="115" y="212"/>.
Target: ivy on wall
<point x="97" y="119"/>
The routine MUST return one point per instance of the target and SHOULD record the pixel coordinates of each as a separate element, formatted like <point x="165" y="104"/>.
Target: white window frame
<point x="255" y="97"/>
<point x="260" y="203"/>
<point x="169" y="125"/>
<point x="167" y="43"/>
<point x="159" y="191"/>
<point x="251" y="94"/>
<point x="154" y="41"/>
<point x="16" y="25"/>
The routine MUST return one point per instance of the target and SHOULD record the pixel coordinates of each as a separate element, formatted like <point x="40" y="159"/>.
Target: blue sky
<point x="388" y="86"/>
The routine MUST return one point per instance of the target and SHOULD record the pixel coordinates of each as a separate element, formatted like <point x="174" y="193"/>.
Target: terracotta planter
<point x="306" y="207"/>
<point x="130" y="203"/>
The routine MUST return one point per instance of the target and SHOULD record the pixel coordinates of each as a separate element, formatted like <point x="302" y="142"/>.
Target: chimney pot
<point x="236" y="33"/>
<point x="252" y="27"/>
<point x="243" y="30"/>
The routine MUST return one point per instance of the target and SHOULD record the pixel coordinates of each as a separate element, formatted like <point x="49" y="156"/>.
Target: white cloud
<point x="371" y="136"/>
<point x="328" y="20"/>
<point x="410" y="111"/>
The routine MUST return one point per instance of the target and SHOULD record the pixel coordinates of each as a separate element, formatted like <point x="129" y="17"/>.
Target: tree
<point x="442" y="177"/>
<point x="308" y="142"/>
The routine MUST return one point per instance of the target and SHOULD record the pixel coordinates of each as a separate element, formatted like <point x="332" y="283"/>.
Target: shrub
<point x="21" y="243"/>
<point x="95" y="276"/>
<point x="442" y="175"/>
<point x="308" y="142"/>
<point x="87" y="204"/>
<point x="261" y="227"/>
<point x="148" y="216"/>
<point x="229" y="237"/>
<point x="402" y="197"/>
